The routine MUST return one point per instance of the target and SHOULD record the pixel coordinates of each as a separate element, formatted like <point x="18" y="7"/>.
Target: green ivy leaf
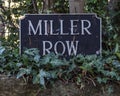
<point x="32" y="52"/>
<point x="2" y="49"/>
<point x="23" y="71"/>
<point x="42" y="81"/>
<point x="90" y="57"/>
<point x="80" y="58"/>
<point x="57" y="63"/>
<point x="1" y="70"/>
<point x="19" y="64"/>
<point x="52" y="74"/>
<point x="36" y="79"/>
<point x="116" y="63"/>
<point x="102" y="80"/>
<point x="42" y="75"/>
<point x="37" y="58"/>
<point x="118" y="55"/>
<point x="45" y="60"/>
<point x="71" y="67"/>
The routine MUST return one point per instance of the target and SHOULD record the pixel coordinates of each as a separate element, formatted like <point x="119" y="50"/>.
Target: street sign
<point x="65" y="34"/>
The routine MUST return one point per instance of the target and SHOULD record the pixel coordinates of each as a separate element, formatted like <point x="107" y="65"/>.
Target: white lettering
<point x="56" y="47"/>
<point x="51" y="28"/>
<point x="85" y="29"/>
<point x="61" y="28"/>
<point x="46" y="27"/>
<point x="71" y="46"/>
<point x="61" y="47"/>
<point x="74" y="27"/>
<point x="31" y="28"/>
<point x="46" y="50"/>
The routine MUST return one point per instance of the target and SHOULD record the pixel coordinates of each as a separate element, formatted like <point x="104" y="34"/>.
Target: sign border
<point x="23" y="17"/>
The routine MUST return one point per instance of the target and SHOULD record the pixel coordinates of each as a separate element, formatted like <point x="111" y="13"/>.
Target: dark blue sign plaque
<point x="65" y="34"/>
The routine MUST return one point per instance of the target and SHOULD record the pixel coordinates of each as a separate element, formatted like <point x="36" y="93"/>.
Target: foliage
<point x="46" y="69"/>
<point x="110" y="28"/>
<point x="96" y="68"/>
<point x="61" y="6"/>
<point x="31" y="65"/>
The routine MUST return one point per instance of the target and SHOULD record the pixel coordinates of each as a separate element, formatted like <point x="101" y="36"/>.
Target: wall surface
<point x="9" y="86"/>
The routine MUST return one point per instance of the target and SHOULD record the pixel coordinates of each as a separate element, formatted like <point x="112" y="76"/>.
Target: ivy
<point x="48" y="68"/>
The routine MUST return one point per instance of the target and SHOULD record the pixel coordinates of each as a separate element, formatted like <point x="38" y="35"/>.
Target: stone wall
<point x="10" y="86"/>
